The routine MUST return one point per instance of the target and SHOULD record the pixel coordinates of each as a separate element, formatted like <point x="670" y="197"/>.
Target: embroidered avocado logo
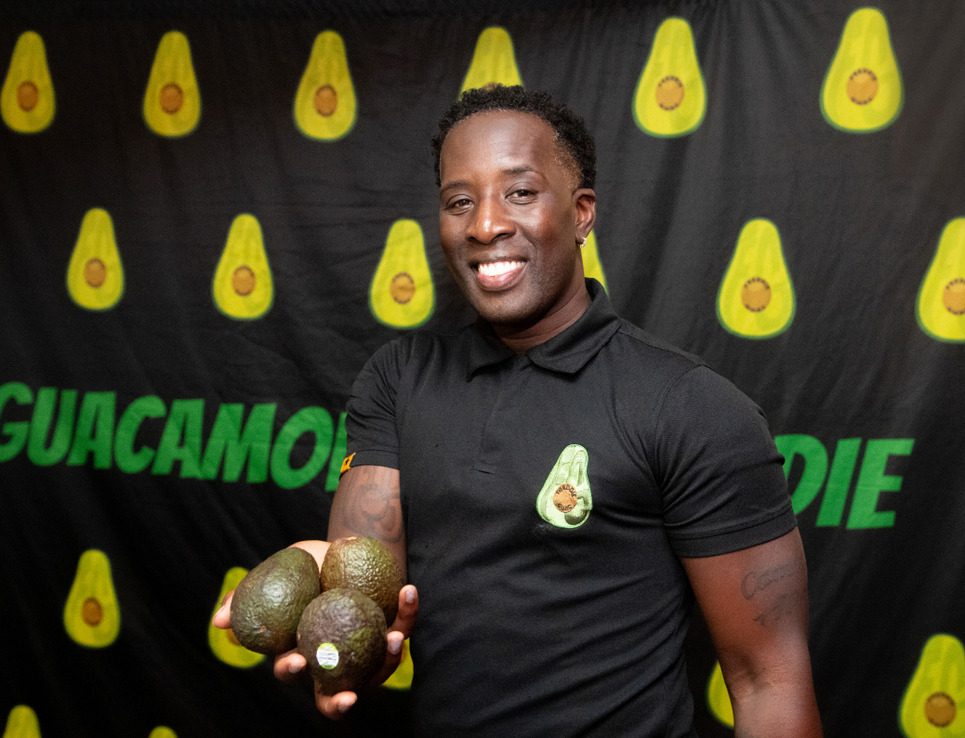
<point x="565" y="499"/>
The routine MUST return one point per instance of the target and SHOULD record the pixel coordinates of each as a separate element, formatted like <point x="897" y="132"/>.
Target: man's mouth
<point x="498" y="268"/>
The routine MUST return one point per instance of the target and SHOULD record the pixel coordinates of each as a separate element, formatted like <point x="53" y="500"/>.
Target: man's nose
<point x="490" y="220"/>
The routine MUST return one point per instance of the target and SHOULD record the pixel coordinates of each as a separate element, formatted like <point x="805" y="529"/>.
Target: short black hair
<point x="571" y="132"/>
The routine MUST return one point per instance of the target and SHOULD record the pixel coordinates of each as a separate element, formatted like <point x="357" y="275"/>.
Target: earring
<point x="583" y="242"/>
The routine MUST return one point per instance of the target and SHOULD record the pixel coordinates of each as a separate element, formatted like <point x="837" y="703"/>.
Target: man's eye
<point x="459" y="203"/>
<point x="521" y="193"/>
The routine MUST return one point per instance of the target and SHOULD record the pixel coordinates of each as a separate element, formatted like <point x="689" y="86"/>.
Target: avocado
<point x="565" y="499"/>
<point x="269" y="600"/>
<point x="493" y="61"/>
<point x="402" y="294"/>
<point x="27" y="98"/>
<point x="325" y="106"/>
<point x="223" y="642"/>
<point x="242" y="286"/>
<point x="934" y="702"/>
<point x="91" y="615"/>
<point x="670" y="99"/>
<point x="366" y="565"/>
<point x="862" y="91"/>
<point x="941" y="297"/>
<point x="95" y="274"/>
<point x="22" y="723"/>
<point x="342" y="637"/>
<point x="718" y="698"/>
<point x="172" y="101"/>
<point x="756" y="296"/>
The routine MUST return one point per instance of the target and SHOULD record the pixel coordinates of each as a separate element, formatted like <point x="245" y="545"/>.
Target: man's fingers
<point x="222" y="618"/>
<point x="334" y="706"/>
<point x="408" y="611"/>
<point x="289" y="666"/>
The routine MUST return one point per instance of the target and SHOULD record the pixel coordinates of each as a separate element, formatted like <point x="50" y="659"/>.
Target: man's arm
<point x="755" y="603"/>
<point x="368" y="503"/>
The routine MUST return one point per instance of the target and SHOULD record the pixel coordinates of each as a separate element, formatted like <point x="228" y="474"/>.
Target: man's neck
<point x="521" y="340"/>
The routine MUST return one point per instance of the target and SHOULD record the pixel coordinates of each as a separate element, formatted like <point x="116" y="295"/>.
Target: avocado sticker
<point x="862" y="91"/>
<point x="172" y="100"/>
<point x="401" y="678"/>
<point x="493" y="61"/>
<point x="242" y="286"/>
<point x="934" y="702"/>
<point x="756" y="297"/>
<point x="592" y="267"/>
<point x="402" y="294"/>
<point x="22" y="723"/>
<point x="718" y="698"/>
<point x="27" y="99"/>
<point x="92" y="616"/>
<point x="325" y="104"/>
<point x="670" y="98"/>
<point x="940" y="306"/>
<point x="565" y="499"/>
<point x="95" y="275"/>
<point x="222" y="642"/>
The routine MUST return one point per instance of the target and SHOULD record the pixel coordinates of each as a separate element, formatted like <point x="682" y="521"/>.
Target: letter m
<point x="237" y="444"/>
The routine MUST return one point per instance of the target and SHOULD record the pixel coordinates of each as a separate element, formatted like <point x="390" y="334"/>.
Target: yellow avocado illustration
<point x="242" y="284"/>
<point x="934" y="702"/>
<point x="172" y="100"/>
<point x="941" y="298"/>
<point x="670" y="99"/>
<point x="565" y="499"/>
<point x="22" y="723"/>
<point x="162" y="731"/>
<point x="27" y="99"/>
<point x="493" y="61"/>
<point x="402" y="294"/>
<point x="402" y="676"/>
<point x="592" y="267"/>
<point x="756" y="297"/>
<point x="223" y="643"/>
<point x="325" y="104"/>
<point x="95" y="275"/>
<point x="92" y="616"/>
<point x="862" y="91"/>
<point x="718" y="698"/>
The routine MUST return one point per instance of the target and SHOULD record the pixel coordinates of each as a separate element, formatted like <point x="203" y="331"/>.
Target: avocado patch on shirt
<point x="565" y="499"/>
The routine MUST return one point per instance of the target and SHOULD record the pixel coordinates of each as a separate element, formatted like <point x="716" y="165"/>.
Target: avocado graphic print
<point x="565" y="499"/>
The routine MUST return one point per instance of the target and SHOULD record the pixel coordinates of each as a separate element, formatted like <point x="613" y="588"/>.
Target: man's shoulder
<point x="655" y="349"/>
<point x="423" y="345"/>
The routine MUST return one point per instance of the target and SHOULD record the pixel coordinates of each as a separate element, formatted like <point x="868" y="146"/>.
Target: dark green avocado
<point x="342" y="637"/>
<point x="268" y="602"/>
<point x="365" y="564"/>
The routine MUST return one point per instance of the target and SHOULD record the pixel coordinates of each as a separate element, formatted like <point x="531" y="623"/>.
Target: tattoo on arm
<point x="370" y="509"/>
<point x="769" y="590"/>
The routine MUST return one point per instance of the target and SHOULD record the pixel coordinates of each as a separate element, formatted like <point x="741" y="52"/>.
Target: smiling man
<point x="562" y="486"/>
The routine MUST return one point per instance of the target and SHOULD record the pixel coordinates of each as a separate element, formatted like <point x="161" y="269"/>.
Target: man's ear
<point x="584" y="204"/>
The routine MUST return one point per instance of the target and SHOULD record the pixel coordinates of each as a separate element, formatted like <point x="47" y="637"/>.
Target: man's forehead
<point x="491" y="121"/>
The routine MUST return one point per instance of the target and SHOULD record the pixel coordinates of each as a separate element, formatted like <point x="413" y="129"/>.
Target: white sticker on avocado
<point x="565" y="499"/>
<point x="327" y="656"/>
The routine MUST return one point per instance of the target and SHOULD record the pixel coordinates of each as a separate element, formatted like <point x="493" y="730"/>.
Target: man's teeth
<point x="495" y="268"/>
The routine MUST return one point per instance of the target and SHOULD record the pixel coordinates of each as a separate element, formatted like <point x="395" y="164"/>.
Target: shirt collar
<point x="566" y="352"/>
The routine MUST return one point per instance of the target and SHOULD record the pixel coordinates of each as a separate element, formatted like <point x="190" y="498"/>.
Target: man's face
<point x="511" y="219"/>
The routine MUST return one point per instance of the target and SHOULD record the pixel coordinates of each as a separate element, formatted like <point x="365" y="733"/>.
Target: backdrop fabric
<point x="212" y="214"/>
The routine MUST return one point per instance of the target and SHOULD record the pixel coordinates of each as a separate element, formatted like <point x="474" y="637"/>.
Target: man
<point x="560" y="484"/>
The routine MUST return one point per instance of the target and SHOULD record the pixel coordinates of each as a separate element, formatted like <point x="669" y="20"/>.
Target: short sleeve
<point x="721" y="475"/>
<point x="370" y="423"/>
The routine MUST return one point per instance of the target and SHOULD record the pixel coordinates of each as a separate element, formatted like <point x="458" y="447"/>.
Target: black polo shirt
<point x="547" y="499"/>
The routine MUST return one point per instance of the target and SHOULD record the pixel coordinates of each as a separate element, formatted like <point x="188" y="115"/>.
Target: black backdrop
<point x="180" y="442"/>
